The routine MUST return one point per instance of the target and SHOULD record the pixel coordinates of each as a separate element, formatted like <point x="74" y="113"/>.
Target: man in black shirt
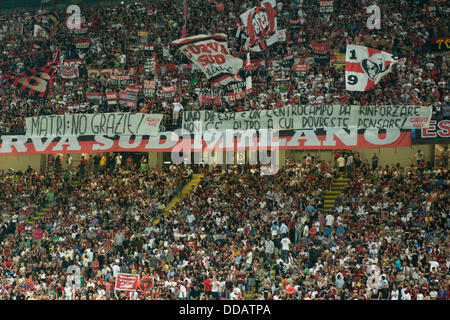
<point x="277" y="245"/>
<point x="96" y="163"/>
<point x="384" y="291"/>
<point x="313" y="256"/>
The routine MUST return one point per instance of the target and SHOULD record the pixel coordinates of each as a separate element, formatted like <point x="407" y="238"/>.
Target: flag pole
<point x="184" y="29"/>
<point x="248" y="77"/>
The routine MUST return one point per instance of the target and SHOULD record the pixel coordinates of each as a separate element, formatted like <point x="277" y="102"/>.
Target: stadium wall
<point x="387" y="156"/>
<point x="22" y="162"/>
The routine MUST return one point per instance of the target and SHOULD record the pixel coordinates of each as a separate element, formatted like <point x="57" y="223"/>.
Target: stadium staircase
<point x="329" y="196"/>
<point x="187" y="188"/>
<point x="329" y="199"/>
<point x="43" y="211"/>
<point x="34" y="217"/>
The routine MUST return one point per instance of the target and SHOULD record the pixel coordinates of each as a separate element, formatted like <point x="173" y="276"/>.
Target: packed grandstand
<point x="334" y="222"/>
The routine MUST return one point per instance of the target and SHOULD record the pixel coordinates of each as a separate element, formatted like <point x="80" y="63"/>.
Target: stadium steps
<point x="34" y="217"/>
<point x="187" y="188"/>
<point x="43" y="211"/>
<point x="272" y="274"/>
<point x="329" y="196"/>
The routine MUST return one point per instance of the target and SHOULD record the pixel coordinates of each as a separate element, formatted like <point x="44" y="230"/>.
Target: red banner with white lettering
<point x="126" y="282"/>
<point x="326" y="139"/>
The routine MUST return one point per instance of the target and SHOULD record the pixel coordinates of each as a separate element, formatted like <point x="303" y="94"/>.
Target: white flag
<point x="248" y="78"/>
<point x="211" y="55"/>
<point x="364" y="67"/>
<point x="260" y="25"/>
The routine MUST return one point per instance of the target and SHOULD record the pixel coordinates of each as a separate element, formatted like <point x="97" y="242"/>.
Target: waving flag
<point x="36" y="81"/>
<point x="364" y="67"/>
<point x="29" y="285"/>
<point x="260" y="24"/>
<point x="49" y="21"/>
<point x="210" y="54"/>
<point x="248" y="74"/>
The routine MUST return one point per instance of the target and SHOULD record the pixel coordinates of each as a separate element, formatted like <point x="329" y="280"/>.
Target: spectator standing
<point x="350" y="164"/>
<point x="374" y="161"/>
<point x="285" y="245"/>
<point x="444" y="157"/>
<point x="341" y="164"/>
<point x="96" y="164"/>
<point x="420" y="157"/>
<point x="298" y="230"/>
<point x="118" y="161"/>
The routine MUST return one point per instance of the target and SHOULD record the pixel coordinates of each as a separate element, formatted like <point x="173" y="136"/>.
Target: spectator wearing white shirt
<point x="285" y="244"/>
<point x="182" y="295"/>
<point x="329" y="220"/>
<point x="67" y="292"/>
<point x="115" y="268"/>
<point x="405" y="294"/>
<point x="177" y="107"/>
<point x="284" y="230"/>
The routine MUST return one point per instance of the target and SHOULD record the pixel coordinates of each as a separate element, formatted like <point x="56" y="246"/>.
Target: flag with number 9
<point x="364" y="67"/>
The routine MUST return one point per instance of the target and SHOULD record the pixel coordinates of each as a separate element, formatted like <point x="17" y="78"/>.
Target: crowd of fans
<point x="239" y="235"/>
<point x="406" y="30"/>
<point x="94" y="208"/>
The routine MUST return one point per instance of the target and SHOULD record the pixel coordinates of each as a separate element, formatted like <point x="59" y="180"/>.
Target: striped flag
<point x="364" y="67"/>
<point x="36" y="81"/>
<point x="49" y="21"/>
<point x="260" y="24"/>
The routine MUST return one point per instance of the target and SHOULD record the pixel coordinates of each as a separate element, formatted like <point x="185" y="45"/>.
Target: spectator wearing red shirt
<point x="207" y="287"/>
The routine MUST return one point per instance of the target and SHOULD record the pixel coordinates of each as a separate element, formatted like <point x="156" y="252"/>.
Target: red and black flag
<point x="36" y="81"/>
<point x="49" y="21"/>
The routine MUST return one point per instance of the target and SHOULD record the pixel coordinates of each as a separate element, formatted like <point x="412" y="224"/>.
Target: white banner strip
<point x="310" y="117"/>
<point x="117" y="123"/>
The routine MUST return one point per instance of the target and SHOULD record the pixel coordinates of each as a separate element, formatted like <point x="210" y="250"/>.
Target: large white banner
<point x="309" y="117"/>
<point x="364" y="67"/>
<point x="260" y="25"/>
<point x="211" y="55"/>
<point x="117" y="123"/>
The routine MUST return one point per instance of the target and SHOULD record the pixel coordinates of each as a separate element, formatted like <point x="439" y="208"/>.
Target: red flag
<point x="30" y="284"/>
<point x="36" y="81"/>
<point x="220" y="4"/>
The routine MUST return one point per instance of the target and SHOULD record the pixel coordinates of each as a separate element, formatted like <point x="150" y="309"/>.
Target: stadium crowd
<point x="114" y="42"/>
<point x="239" y="235"/>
